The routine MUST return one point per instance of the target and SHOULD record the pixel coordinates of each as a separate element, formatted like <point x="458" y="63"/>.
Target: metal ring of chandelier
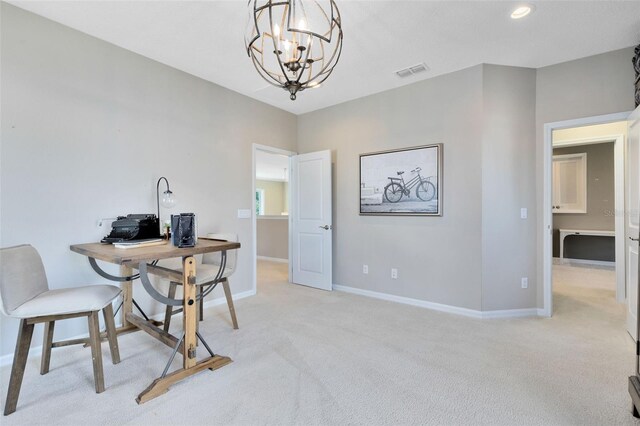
<point x="294" y="44"/>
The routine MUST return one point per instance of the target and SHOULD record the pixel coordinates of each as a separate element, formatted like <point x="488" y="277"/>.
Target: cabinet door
<point x="570" y="183"/>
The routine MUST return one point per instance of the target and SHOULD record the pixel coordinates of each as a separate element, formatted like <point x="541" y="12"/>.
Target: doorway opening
<point x="584" y="204"/>
<point x="271" y="220"/>
<point x="588" y="190"/>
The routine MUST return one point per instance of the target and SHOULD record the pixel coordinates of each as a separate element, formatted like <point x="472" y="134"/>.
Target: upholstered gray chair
<point x="25" y="294"/>
<point x="206" y="271"/>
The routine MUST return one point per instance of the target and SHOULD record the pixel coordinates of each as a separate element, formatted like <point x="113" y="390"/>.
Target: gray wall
<point x="601" y="84"/>
<point x="438" y="258"/>
<point x="273" y="237"/>
<point x="508" y="184"/>
<point x="600" y="205"/>
<point x="484" y="116"/>
<point x="87" y="129"/>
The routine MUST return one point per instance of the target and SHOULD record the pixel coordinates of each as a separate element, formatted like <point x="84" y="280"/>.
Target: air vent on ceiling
<point x="415" y="69"/>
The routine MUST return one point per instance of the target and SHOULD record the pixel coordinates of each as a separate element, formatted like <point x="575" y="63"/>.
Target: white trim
<point x="547" y="215"/>
<point x="273" y="217"/>
<point x="254" y="221"/>
<point x="217" y="301"/>
<point x="510" y="313"/>
<point x="273" y="259"/>
<point x="570" y="261"/>
<point x="472" y="313"/>
<point x="37" y="351"/>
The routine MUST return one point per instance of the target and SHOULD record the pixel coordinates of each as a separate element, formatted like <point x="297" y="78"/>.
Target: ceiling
<point x="270" y="166"/>
<point x="205" y="38"/>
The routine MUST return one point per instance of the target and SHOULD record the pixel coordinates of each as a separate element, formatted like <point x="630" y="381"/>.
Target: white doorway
<point x="299" y="218"/>
<point x="271" y="220"/>
<point x="549" y="206"/>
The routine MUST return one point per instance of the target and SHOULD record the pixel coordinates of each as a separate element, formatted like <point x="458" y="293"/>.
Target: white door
<point x="311" y="225"/>
<point x="631" y="220"/>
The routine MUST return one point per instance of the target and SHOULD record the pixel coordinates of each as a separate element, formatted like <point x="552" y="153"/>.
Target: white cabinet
<point x="570" y="183"/>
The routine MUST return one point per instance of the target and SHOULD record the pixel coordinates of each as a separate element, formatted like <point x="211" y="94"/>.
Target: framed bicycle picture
<point x="402" y="182"/>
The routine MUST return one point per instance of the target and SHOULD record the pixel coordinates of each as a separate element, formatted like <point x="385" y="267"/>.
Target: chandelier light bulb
<point x="294" y="44"/>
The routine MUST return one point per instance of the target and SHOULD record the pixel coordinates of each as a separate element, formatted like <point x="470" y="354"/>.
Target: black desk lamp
<point x="168" y="200"/>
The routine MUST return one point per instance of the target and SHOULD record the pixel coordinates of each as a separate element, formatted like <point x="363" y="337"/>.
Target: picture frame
<point x="402" y="182"/>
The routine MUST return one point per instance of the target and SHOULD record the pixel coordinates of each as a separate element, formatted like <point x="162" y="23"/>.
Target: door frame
<point x="618" y="171"/>
<point x="254" y="222"/>
<point x="547" y="201"/>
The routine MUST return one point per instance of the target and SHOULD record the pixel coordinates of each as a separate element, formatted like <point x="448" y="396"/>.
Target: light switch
<point x="524" y="213"/>
<point x="244" y="213"/>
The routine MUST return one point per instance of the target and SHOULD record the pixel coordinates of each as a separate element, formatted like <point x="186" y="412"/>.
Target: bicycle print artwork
<point x="402" y="182"/>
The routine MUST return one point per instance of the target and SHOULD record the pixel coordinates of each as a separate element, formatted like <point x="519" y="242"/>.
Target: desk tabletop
<point x="109" y="253"/>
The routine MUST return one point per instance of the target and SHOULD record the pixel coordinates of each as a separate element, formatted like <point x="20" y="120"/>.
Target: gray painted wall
<point x="600" y="205"/>
<point x="508" y="184"/>
<point x="484" y="116"/>
<point x="597" y="85"/>
<point x="87" y="129"/>
<point x="438" y="258"/>
<point x="273" y="237"/>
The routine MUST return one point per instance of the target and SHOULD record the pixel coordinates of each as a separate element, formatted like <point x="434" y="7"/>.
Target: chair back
<point x="232" y="255"/>
<point x="22" y="277"/>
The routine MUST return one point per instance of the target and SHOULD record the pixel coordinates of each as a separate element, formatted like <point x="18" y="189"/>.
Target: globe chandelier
<point x="294" y="44"/>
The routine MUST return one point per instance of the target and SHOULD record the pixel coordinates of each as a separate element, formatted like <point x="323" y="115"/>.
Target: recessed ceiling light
<point x="521" y="11"/>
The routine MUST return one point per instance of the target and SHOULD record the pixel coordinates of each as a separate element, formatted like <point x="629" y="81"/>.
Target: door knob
<point x="326" y="227"/>
<point x="634" y="239"/>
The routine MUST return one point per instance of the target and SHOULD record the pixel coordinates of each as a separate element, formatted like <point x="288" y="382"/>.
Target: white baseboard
<point x="510" y="313"/>
<point x="37" y="351"/>
<point x="543" y="313"/>
<point x="472" y="313"/>
<point x="569" y="261"/>
<point x="273" y="259"/>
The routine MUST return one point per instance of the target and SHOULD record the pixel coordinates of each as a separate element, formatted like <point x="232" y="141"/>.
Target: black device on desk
<point x="133" y="227"/>
<point x="184" y="230"/>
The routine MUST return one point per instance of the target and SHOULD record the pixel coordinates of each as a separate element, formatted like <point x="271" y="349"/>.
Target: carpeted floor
<point x="305" y="356"/>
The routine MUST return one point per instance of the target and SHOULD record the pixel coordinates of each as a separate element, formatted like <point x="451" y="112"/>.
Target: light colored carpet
<point x="305" y="356"/>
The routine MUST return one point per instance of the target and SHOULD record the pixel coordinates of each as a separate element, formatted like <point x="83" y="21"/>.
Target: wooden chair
<point x="25" y="294"/>
<point x="206" y="272"/>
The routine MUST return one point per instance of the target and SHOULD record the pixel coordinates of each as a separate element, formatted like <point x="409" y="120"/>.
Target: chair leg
<point x="232" y="310"/>
<point x="169" y="310"/>
<point x="96" y="351"/>
<point x="112" y="337"/>
<point x="19" y="363"/>
<point x="47" y="342"/>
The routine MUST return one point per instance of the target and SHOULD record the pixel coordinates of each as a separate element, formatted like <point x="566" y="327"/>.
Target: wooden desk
<point x="141" y="259"/>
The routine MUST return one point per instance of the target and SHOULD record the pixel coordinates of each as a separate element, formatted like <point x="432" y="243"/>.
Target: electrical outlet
<point x="524" y="282"/>
<point x="394" y="273"/>
<point x="365" y="269"/>
<point x="524" y="213"/>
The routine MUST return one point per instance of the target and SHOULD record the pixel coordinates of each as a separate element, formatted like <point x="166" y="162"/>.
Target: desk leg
<point x="190" y="365"/>
<point x="189" y="311"/>
<point x="127" y="296"/>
